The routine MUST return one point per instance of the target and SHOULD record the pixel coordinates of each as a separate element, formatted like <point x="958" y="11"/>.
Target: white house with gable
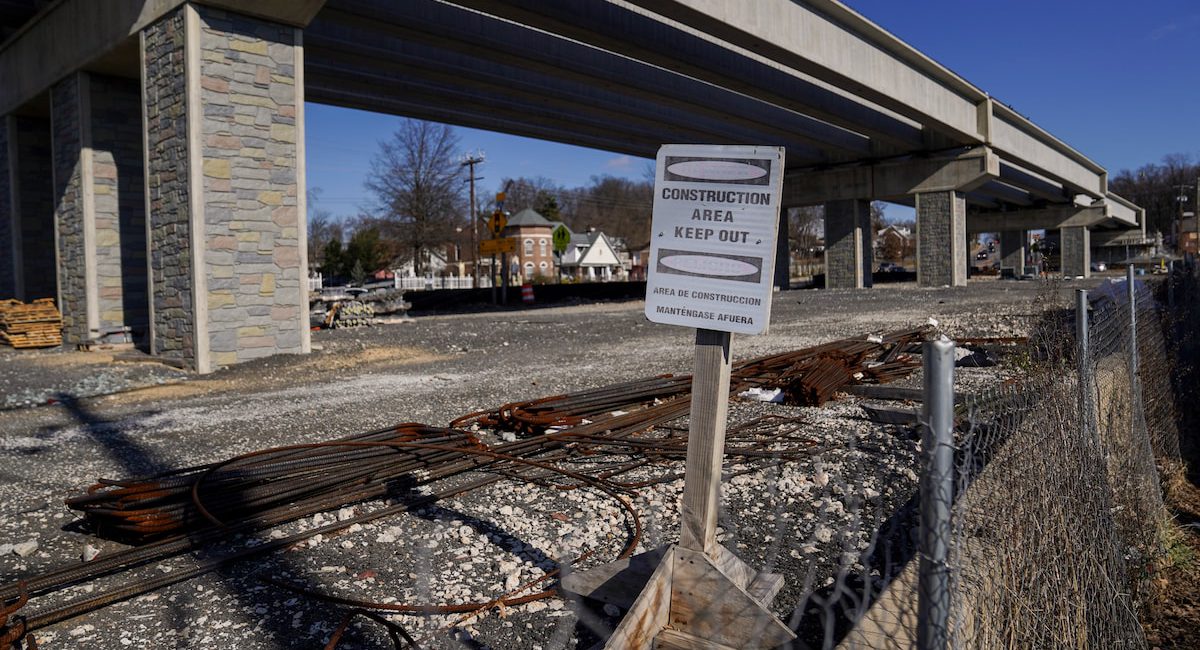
<point x="591" y="256"/>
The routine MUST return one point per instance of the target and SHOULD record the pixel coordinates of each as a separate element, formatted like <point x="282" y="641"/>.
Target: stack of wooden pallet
<point x="34" y="325"/>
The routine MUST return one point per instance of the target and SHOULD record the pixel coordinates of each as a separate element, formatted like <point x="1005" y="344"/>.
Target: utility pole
<point x="469" y="161"/>
<point x="1181" y="198"/>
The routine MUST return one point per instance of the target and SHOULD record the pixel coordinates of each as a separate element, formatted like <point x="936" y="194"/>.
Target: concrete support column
<point x="99" y="211"/>
<point x="1012" y="251"/>
<point x="941" y="239"/>
<point x="225" y="186"/>
<point x="849" y="256"/>
<point x="1076" y="252"/>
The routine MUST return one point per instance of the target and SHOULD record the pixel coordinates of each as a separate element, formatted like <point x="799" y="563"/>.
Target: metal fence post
<point x="1083" y="337"/>
<point x="1133" y="348"/>
<point x="1171" y="285"/>
<point x="937" y="493"/>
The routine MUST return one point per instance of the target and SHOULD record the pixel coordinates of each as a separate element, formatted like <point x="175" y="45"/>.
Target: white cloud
<point x="621" y="163"/>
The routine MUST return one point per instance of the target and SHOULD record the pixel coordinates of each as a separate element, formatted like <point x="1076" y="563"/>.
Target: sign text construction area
<point x="712" y="243"/>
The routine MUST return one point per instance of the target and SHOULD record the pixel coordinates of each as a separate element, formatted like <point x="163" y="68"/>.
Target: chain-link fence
<point x="1039" y="521"/>
<point x="1057" y="513"/>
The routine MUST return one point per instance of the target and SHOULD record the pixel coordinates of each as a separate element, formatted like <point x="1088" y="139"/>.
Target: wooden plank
<point x="765" y="587"/>
<point x="670" y="639"/>
<point x="708" y="605"/>
<point x="648" y="615"/>
<point x="617" y="582"/>
<point x="875" y="391"/>
<point x="890" y="414"/>
<point x="706" y="441"/>
<point x="894" y="393"/>
<point x="732" y="566"/>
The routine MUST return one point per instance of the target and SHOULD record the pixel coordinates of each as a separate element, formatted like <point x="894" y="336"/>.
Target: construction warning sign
<point x="500" y="245"/>
<point x="712" y="242"/>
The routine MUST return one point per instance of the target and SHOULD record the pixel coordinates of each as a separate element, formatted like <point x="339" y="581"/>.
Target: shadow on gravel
<point x="826" y="615"/>
<point x="135" y="458"/>
<point x="239" y="579"/>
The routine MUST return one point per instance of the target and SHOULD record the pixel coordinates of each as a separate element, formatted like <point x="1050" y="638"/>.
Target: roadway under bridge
<point x="152" y="151"/>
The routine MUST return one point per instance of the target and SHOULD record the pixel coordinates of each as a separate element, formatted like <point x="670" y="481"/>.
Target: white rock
<point x="512" y="581"/>
<point x="25" y="549"/>
<point x="385" y="538"/>
<point x="506" y="510"/>
<point x="345" y="514"/>
<point x="823" y="534"/>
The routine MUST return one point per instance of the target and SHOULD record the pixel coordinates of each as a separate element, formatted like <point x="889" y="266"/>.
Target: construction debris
<point x="34" y="325"/>
<point x="349" y="313"/>
<point x="626" y="425"/>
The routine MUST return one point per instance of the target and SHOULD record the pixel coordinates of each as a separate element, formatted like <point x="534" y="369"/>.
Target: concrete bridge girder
<point x="573" y="101"/>
<point x="643" y="36"/>
<point x="1050" y="218"/>
<point x="833" y="43"/>
<point x="445" y="28"/>
<point x="892" y="179"/>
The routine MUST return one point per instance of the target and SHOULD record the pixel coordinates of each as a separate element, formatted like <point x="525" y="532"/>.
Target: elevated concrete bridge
<point x="156" y="147"/>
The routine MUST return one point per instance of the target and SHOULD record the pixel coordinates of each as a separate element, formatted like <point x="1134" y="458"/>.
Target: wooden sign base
<point x="694" y="594"/>
<point x="681" y="598"/>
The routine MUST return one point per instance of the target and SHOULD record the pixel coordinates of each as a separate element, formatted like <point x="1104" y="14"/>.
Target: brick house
<point x="535" y="251"/>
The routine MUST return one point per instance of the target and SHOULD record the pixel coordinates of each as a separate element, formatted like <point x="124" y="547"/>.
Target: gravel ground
<point x="40" y="377"/>
<point x="803" y="520"/>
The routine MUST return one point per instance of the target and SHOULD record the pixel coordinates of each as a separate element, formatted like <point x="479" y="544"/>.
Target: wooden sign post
<point x="715" y="223"/>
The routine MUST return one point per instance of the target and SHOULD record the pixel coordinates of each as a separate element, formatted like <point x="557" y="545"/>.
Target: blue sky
<point x="1119" y="80"/>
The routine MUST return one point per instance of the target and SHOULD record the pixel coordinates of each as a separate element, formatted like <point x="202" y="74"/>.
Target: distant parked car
<point x="889" y="267"/>
<point x="1099" y="267"/>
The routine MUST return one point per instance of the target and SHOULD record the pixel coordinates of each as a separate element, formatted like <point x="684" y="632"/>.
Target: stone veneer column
<point x="1076" y="256"/>
<point x="941" y="239"/>
<point x="118" y="187"/>
<point x="1012" y="251"/>
<point x="74" y="209"/>
<point x="848" y="253"/>
<point x="99" y="211"/>
<point x="225" y="186"/>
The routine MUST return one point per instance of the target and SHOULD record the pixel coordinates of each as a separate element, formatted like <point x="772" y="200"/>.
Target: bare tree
<point x="617" y="206"/>
<point x="528" y="193"/>
<point x="1159" y="189"/>
<point x="418" y="188"/>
